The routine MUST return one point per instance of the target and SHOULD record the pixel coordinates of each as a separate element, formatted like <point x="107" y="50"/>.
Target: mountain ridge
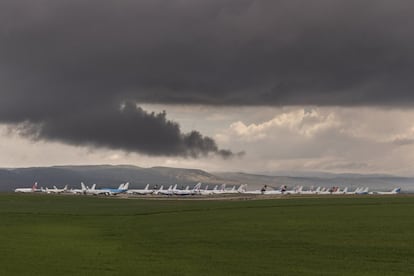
<point x="112" y="175"/>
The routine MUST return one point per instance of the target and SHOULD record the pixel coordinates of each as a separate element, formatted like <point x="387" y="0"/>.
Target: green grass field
<point x="79" y="235"/>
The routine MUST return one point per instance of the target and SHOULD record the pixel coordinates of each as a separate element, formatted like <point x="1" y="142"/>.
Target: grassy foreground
<point x="77" y="235"/>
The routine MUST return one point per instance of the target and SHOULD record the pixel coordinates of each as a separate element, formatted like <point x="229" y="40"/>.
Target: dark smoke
<point x="128" y="128"/>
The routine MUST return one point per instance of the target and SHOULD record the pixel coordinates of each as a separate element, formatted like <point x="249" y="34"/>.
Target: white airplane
<point x="206" y="191"/>
<point x="243" y="189"/>
<point x="263" y="191"/>
<point x="231" y="191"/>
<point x="332" y="191"/>
<point x="325" y="191"/>
<point x="157" y="192"/>
<point x="311" y="191"/>
<point x="33" y="189"/>
<point x="339" y="192"/>
<point x="222" y="189"/>
<point x="357" y="190"/>
<point x="187" y="190"/>
<point x="80" y="191"/>
<point x="196" y="188"/>
<point x="145" y="191"/>
<point x="362" y="191"/>
<point x="393" y="192"/>
<point x="295" y="191"/>
<point x="272" y="192"/>
<point x="169" y="191"/>
<point x="177" y="191"/>
<point x="281" y="190"/>
<point x="91" y="191"/>
<point x="55" y="190"/>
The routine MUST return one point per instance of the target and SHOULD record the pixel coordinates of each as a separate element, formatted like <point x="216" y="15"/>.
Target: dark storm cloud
<point x="63" y="57"/>
<point x="403" y="141"/>
<point x="127" y="128"/>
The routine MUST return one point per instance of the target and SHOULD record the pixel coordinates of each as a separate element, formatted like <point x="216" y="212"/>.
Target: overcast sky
<point x="240" y="85"/>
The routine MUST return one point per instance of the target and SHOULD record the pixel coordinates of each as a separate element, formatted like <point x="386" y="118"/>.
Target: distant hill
<point x="112" y="176"/>
<point x="352" y="181"/>
<point x="102" y="175"/>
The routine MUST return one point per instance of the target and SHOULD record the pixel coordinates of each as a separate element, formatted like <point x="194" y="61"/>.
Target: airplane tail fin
<point x="65" y="188"/>
<point x="242" y="188"/>
<point x="197" y="187"/>
<point x="34" y="187"/>
<point x="126" y="186"/>
<point x="93" y="187"/>
<point x="345" y="190"/>
<point x="397" y="191"/>
<point x="146" y="187"/>
<point x="121" y="186"/>
<point x="83" y="186"/>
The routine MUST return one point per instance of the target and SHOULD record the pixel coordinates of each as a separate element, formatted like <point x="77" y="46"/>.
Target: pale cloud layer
<point x="332" y="139"/>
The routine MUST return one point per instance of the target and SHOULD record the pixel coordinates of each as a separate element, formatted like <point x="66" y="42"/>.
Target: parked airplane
<point x="222" y="189"/>
<point x="254" y="192"/>
<point x="393" y="192"/>
<point x="55" y="190"/>
<point x="311" y="191"/>
<point x="177" y="191"/>
<point x="362" y="191"/>
<point x="80" y="191"/>
<point x="231" y="191"/>
<point x="325" y="191"/>
<point x="187" y="190"/>
<point x="242" y="189"/>
<point x="161" y="191"/>
<point x="339" y="192"/>
<point x="206" y="191"/>
<point x="105" y="191"/>
<point x="157" y="192"/>
<point x="145" y="191"/>
<point x="33" y="189"/>
<point x="262" y="191"/>
<point x="273" y="192"/>
<point x="111" y="191"/>
<point x="92" y="190"/>
<point x="356" y="191"/>
<point x="296" y="190"/>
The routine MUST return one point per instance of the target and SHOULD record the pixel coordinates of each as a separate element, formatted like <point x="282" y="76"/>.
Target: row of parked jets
<point x="321" y="191"/>
<point x="83" y="190"/>
<point x="197" y="190"/>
